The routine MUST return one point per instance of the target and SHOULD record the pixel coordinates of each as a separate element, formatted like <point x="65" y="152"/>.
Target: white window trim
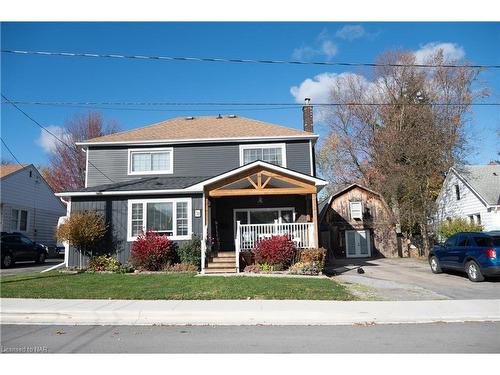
<point x="248" y="210"/>
<point x="144" y="202"/>
<point x="18" y="224"/>
<point x="152" y="151"/>
<point x="262" y="146"/>
<point x="361" y="208"/>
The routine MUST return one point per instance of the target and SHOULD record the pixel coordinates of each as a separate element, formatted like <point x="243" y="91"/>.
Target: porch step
<point x="226" y="254"/>
<point x="217" y="264"/>
<point x="223" y="260"/>
<point x="220" y="270"/>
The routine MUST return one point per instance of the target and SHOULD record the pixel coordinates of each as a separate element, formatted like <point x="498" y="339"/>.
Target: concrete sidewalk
<point x="243" y="312"/>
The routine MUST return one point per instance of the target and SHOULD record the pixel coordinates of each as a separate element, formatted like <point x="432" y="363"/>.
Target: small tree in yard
<point x="276" y="251"/>
<point x="83" y="230"/>
<point x="153" y="252"/>
<point x="449" y="228"/>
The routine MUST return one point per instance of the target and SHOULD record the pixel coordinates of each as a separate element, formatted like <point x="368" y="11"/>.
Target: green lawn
<point x="168" y="286"/>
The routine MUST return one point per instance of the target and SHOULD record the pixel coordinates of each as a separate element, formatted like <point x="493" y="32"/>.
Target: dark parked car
<point x="475" y="253"/>
<point x="17" y="247"/>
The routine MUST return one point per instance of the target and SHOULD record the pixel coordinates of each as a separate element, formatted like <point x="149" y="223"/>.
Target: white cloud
<point x="351" y="32"/>
<point x="322" y="46"/>
<point x="451" y="51"/>
<point x="328" y="48"/>
<point x="47" y="141"/>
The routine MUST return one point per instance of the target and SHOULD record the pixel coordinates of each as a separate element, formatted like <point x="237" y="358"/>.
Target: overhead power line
<point x="242" y="61"/>
<point x="10" y="152"/>
<point x="48" y="131"/>
<point x="263" y="105"/>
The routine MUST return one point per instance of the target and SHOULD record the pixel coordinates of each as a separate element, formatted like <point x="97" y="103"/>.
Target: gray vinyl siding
<point x="32" y="194"/>
<point x="189" y="161"/>
<point x="115" y="211"/>
<point x="298" y="157"/>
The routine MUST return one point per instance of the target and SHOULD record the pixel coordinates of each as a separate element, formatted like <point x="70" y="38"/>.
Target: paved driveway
<point x="29" y="267"/>
<point x="410" y="279"/>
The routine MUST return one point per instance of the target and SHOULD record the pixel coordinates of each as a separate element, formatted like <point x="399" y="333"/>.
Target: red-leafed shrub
<point x="153" y="252"/>
<point x="276" y="250"/>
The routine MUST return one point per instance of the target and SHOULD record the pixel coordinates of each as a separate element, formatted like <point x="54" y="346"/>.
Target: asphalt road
<point x="404" y="338"/>
<point x="21" y="268"/>
<point x="409" y="279"/>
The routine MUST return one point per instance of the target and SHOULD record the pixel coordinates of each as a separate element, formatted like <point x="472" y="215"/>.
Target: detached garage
<point x="356" y="222"/>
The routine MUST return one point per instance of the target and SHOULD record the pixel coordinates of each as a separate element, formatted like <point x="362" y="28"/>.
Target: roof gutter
<point x="125" y="192"/>
<point x="198" y="140"/>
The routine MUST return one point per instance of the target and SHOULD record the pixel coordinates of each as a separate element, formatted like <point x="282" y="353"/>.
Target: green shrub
<point x="450" y="227"/>
<point x="190" y="252"/>
<point x="104" y="263"/>
<point x="268" y="267"/>
<point x="306" y="268"/>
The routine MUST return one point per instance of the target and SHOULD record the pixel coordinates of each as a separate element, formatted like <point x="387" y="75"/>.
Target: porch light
<point x="260" y="200"/>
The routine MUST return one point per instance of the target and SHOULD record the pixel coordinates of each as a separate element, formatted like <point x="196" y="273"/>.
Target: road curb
<point x="252" y="312"/>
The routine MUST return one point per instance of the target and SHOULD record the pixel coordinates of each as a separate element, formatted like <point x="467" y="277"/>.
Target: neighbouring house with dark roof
<point x="471" y="192"/>
<point x="356" y="222"/>
<point x="230" y="180"/>
<point x="28" y="204"/>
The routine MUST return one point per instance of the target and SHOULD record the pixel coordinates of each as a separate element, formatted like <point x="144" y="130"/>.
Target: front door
<point x="357" y="243"/>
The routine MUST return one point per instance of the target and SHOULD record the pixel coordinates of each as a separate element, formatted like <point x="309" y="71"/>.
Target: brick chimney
<point x="307" y="111"/>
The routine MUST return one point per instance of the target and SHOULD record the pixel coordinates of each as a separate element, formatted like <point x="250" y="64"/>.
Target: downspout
<point x="66" y="244"/>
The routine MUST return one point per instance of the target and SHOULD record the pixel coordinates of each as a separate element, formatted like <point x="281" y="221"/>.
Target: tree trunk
<point x="425" y="239"/>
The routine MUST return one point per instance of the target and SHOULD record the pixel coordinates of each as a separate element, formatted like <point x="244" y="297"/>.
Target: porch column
<point x="314" y="202"/>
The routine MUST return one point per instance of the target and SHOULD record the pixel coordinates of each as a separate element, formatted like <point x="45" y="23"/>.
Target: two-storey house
<point x="230" y="180"/>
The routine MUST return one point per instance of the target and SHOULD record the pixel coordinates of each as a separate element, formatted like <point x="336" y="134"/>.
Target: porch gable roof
<point x="318" y="182"/>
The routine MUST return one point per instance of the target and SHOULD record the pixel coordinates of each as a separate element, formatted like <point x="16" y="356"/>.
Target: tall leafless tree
<point x="400" y="132"/>
<point x="66" y="170"/>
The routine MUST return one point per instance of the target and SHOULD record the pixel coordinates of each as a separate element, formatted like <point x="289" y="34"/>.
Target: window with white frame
<point x="150" y="161"/>
<point x="271" y="153"/>
<point x="19" y="220"/>
<point x="356" y="209"/>
<point x="171" y="217"/>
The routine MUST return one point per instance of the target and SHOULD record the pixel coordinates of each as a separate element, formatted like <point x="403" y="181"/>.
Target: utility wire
<point x="243" y="104"/>
<point x="10" y="152"/>
<point x="52" y="134"/>
<point x="156" y="109"/>
<point x="242" y="61"/>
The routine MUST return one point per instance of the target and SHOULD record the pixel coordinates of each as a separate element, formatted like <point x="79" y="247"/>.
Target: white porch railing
<point x="247" y="235"/>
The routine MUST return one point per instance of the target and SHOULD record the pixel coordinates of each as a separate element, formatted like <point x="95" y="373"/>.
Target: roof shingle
<point x="148" y="183"/>
<point x="204" y="127"/>
<point x="484" y="179"/>
<point x="7" y="169"/>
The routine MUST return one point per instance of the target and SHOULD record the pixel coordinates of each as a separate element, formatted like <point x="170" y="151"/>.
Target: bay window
<point x="171" y="217"/>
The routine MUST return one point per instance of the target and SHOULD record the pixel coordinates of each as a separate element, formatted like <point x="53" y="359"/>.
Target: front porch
<point x="249" y="206"/>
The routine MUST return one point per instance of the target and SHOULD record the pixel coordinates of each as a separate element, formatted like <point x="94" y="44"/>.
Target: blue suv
<point x="476" y="253"/>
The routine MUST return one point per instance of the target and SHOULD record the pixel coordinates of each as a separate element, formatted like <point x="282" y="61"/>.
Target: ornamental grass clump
<point x="277" y="251"/>
<point x="153" y="252"/>
<point x="104" y="263"/>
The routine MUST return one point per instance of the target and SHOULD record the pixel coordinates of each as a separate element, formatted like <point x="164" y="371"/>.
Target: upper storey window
<point x="151" y="161"/>
<point x="272" y="153"/>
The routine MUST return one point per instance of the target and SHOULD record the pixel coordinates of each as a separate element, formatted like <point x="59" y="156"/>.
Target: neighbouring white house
<point x="28" y="204"/>
<point x="471" y="192"/>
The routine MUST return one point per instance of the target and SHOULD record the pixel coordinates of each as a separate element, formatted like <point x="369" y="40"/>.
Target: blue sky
<point x="84" y="79"/>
